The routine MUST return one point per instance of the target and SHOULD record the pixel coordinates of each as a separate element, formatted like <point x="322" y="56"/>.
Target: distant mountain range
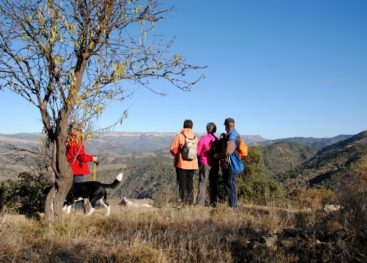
<point x="119" y="142"/>
<point x="125" y="142"/>
<point x="147" y="164"/>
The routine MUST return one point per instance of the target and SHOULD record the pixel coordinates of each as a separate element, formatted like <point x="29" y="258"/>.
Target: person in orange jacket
<point x="186" y="163"/>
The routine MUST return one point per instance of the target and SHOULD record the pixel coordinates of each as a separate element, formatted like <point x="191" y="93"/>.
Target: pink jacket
<point x="204" y="147"/>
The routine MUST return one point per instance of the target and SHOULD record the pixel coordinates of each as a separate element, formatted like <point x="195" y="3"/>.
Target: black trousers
<point x="185" y="180"/>
<point x="213" y="184"/>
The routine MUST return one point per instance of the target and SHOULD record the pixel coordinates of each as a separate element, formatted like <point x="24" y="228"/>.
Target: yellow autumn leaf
<point x="58" y="60"/>
<point x="97" y="109"/>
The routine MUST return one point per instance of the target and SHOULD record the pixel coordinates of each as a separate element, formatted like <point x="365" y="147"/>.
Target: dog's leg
<point x="86" y="205"/>
<point x="68" y="209"/>
<point x="91" y="210"/>
<point x="92" y="202"/>
<point x="105" y="204"/>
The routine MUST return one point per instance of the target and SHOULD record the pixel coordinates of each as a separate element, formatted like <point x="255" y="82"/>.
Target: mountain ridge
<point x="30" y="139"/>
<point x="311" y="141"/>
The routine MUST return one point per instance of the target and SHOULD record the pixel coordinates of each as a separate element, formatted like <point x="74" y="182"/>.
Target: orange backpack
<point x="242" y="149"/>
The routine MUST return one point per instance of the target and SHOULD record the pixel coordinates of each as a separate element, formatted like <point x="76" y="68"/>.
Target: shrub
<point x="22" y="195"/>
<point x="253" y="184"/>
<point x="260" y="191"/>
<point x="352" y="195"/>
<point x="314" y="198"/>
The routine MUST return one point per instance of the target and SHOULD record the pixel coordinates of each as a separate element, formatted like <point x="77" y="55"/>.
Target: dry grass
<point x="192" y="234"/>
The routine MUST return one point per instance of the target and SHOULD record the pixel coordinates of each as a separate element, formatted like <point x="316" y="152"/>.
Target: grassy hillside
<point x="249" y="234"/>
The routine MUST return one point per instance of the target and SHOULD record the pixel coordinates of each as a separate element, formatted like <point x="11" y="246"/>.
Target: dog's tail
<point x="115" y="183"/>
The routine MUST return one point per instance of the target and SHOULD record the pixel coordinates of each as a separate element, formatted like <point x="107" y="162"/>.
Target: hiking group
<point x="208" y="155"/>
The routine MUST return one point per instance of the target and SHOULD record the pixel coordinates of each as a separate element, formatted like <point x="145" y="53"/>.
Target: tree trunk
<point x="63" y="174"/>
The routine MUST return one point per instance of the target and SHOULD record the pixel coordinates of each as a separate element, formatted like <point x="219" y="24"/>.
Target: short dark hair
<point x="188" y="124"/>
<point x="211" y="128"/>
<point x="228" y="121"/>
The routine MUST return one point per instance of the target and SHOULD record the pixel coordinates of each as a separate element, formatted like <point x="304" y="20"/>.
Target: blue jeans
<point x="230" y="182"/>
<point x="78" y="178"/>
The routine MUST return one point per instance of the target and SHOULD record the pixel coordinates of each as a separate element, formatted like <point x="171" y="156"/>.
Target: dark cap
<point x="228" y="121"/>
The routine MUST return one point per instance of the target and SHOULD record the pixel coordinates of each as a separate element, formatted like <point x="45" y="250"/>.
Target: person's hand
<point x="95" y="159"/>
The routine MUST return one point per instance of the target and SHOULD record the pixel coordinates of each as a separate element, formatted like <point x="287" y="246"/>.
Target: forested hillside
<point x="337" y="160"/>
<point x="283" y="156"/>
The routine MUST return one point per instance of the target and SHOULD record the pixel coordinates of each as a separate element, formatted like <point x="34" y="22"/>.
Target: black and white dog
<point x="94" y="191"/>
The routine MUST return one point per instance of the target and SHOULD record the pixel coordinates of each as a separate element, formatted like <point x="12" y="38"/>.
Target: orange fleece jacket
<point x="175" y="150"/>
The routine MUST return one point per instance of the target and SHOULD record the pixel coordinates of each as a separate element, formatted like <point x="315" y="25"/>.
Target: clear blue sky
<point x="279" y="68"/>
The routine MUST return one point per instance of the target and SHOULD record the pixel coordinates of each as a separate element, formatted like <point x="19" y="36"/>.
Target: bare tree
<point x="72" y="57"/>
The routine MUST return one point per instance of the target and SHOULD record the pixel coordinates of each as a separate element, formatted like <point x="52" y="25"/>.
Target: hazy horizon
<point x="175" y="132"/>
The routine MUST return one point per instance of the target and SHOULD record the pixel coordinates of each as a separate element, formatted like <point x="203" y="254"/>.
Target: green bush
<point x="254" y="185"/>
<point x="351" y="193"/>
<point x="22" y="195"/>
<point x="260" y="191"/>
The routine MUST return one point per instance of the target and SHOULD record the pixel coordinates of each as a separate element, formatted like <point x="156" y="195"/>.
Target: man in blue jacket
<point x="232" y="163"/>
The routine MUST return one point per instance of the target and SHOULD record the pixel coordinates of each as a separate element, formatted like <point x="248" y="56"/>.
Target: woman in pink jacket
<point x="209" y="166"/>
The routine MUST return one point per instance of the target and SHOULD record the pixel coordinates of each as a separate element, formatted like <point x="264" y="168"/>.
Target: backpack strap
<point x="238" y="141"/>
<point x="188" y="138"/>
<point x="238" y="138"/>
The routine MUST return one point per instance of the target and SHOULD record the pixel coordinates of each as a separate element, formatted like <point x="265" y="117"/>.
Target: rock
<point x="291" y="233"/>
<point x="128" y="203"/>
<point x="328" y="208"/>
<point x="287" y="243"/>
<point x="270" y="241"/>
<point x="333" y="226"/>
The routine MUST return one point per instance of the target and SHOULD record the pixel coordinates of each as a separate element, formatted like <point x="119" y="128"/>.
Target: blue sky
<point x="280" y="68"/>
